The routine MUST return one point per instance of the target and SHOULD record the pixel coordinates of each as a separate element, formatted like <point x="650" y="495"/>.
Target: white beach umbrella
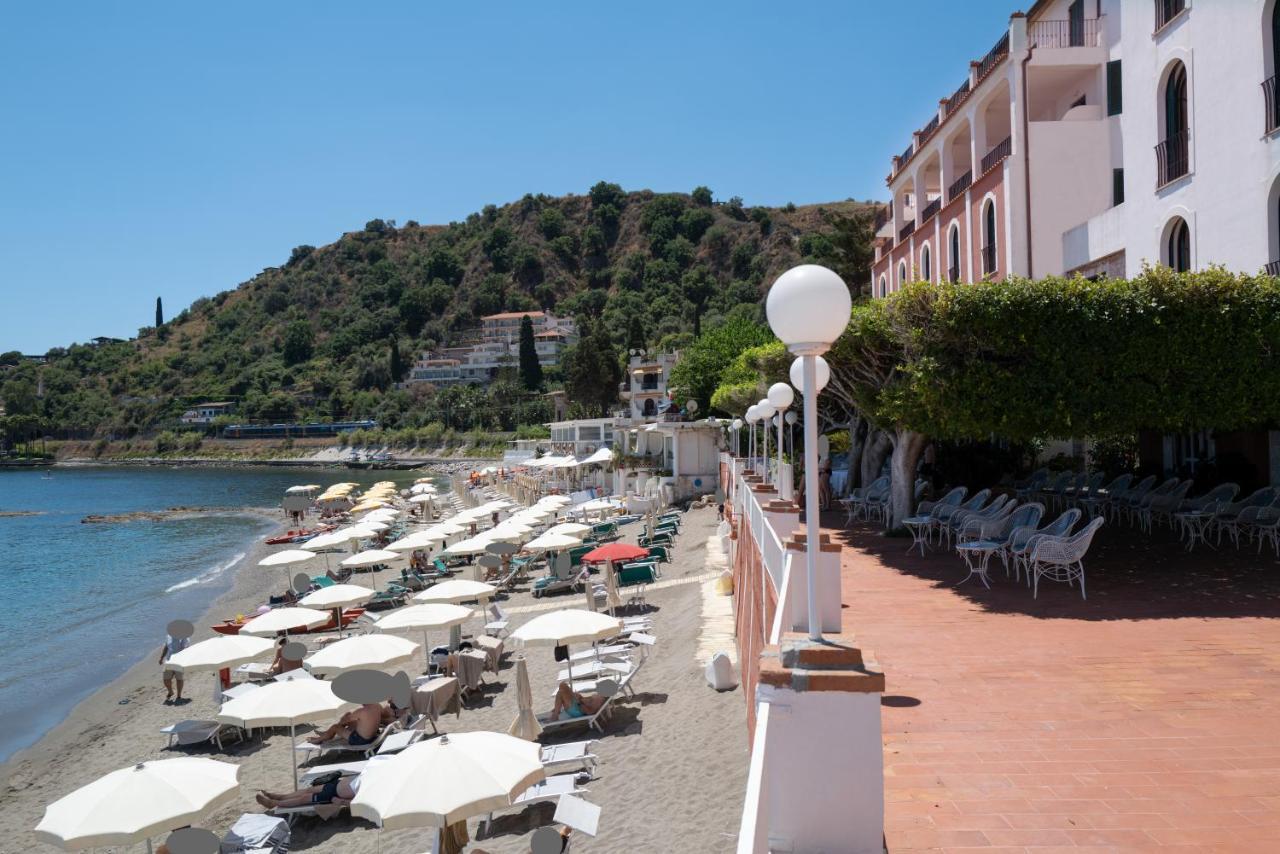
<point x="372" y="557"/>
<point x="422" y="498"/>
<point x="612" y="598"/>
<point x="449" y="527"/>
<point x="298" y="701"/>
<point x="284" y="620"/>
<point x="138" y="802"/>
<point x="555" y="500"/>
<point x="288" y="557"/>
<point x="422" y="488"/>
<point x="331" y="540"/>
<point x="414" y="542"/>
<point x="337" y="596"/>
<point x="570" y="529"/>
<point x="526" y="724"/>
<point x="360" y="651"/>
<point x="456" y="590"/>
<point x="432" y="615"/>
<point x="472" y="546"/>
<point x="566" y="626"/>
<point x="552" y="542"/>
<point x="218" y="652"/>
<point x="447" y="779"/>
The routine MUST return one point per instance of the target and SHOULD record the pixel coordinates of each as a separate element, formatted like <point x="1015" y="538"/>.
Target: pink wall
<point x="992" y="182"/>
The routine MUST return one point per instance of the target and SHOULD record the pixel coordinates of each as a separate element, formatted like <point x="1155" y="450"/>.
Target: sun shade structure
<point x="373" y="557"/>
<point x="448" y="779"/>
<point x="432" y="615"/>
<point x="331" y="540"/>
<point x="566" y="626"/>
<point x="456" y="590"/>
<point x="284" y="620"/>
<point x="337" y="596"/>
<point x="526" y="724"/>
<point x="219" y="652"/>
<point x="376" y="650"/>
<point x="600" y="457"/>
<point x="552" y="542"/>
<point x="138" y="802"/>
<point x="288" y="557"/>
<point x="614" y="552"/>
<point x="570" y="529"/>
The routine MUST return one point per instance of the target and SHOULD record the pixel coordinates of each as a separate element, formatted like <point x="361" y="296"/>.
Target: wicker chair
<point x="943" y="515"/>
<point x="1237" y="518"/>
<point x="1139" y="509"/>
<point x="1162" y="507"/>
<point x="1053" y="491"/>
<point x="1062" y="558"/>
<point x="1214" y="501"/>
<point x="1118" y="504"/>
<point x="1022" y="540"/>
<point x="1094" y="503"/>
<point x="859" y="499"/>
<point x="999" y="531"/>
<point x="1000" y="507"/>
<point x="921" y="524"/>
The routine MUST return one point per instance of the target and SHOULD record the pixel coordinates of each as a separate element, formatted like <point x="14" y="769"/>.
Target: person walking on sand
<point x="172" y="646"/>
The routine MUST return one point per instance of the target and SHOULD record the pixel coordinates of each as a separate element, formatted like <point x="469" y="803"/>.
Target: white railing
<point x="753" y="831"/>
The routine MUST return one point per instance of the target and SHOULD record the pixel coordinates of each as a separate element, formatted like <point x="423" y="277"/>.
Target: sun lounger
<point x="255" y="833"/>
<point x="187" y="733"/>
<point x="498" y="621"/>
<point x="608" y="651"/>
<point x="570" y="756"/>
<point x="607" y="688"/>
<point x="340" y="745"/>
<point x="550" y="789"/>
<point x="575" y="813"/>
<point x="596" y="667"/>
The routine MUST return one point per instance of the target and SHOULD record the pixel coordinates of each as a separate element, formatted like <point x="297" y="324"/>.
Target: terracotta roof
<point x="511" y="315"/>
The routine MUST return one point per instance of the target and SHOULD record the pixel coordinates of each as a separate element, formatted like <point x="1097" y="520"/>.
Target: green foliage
<point x="701" y="196"/>
<point x="551" y="223"/>
<point x="592" y="370"/>
<point x="747" y="378"/>
<point x="159" y="313"/>
<point x="299" y="342"/>
<point x="530" y="367"/>
<point x="701" y="365"/>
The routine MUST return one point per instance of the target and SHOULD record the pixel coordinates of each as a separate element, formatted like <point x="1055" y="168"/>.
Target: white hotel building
<point x="1095" y="137"/>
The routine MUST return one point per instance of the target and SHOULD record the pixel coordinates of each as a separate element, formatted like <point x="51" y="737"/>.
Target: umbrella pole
<point x="426" y="653"/>
<point x="293" y="754"/>
<point x="149" y="849"/>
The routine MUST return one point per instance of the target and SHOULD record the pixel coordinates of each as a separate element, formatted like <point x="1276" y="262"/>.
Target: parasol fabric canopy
<point x="432" y="615"/>
<point x="566" y="626"/>
<point x="552" y="542"/>
<point x="288" y="704"/>
<point x="372" y="557"/>
<point x="615" y="552"/>
<point x="288" y="557"/>
<point x="456" y="590"/>
<point x="375" y="650"/>
<point x="218" y="652"/>
<point x="137" y="802"/>
<point x="285" y="620"/>
<point x="570" y="529"/>
<point x="447" y="779"/>
<point x="337" y="596"/>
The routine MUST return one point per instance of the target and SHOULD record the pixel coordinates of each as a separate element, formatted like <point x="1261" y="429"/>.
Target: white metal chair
<point x="1062" y="558"/>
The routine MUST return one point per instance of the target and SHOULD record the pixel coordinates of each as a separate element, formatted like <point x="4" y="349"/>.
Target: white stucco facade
<point x="1096" y="98"/>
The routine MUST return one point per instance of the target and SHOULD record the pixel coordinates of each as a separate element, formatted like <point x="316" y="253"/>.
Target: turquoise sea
<point x="84" y="602"/>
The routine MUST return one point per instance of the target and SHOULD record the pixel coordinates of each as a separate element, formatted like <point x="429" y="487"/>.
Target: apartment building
<point x="505" y="328"/>
<point x="644" y="387"/>
<point x="495" y="345"/>
<point x="1094" y="137"/>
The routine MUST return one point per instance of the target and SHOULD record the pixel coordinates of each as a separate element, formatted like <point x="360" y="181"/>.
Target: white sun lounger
<point x="571" y="756"/>
<point x="550" y="789"/>
<point x="595" y="668"/>
<point x="185" y="733"/>
<point x="339" y="745"/>
<point x="256" y="833"/>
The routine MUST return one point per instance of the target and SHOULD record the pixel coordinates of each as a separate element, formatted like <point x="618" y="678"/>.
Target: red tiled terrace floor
<point x="1147" y="717"/>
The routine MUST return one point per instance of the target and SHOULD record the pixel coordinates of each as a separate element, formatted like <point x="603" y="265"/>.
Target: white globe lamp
<point x="821" y="368"/>
<point x="781" y="396"/>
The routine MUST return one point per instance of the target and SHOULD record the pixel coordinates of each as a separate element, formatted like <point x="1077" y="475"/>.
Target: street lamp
<point x="792" y="418"/>
<point x="736" y="426"/>
<point x="780" y="397"/>
<point x="766" y="410"/>
<point x="821" y="367"/>
<point x="752" y="417"/>
<point x="808" y="308"/>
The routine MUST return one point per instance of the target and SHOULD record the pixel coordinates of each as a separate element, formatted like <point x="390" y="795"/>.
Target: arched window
<point x="884" y="286"/>
<point x="1172" y="155"/>
<point x="902" y="273"/>
<point x="953" y="253"/>
<point x="649" y="407"/>
<point x="925" y="266"/>
<point x="1272" y="70"/>
<point x="1178" y="246"/>
<point x="989" y="238"/>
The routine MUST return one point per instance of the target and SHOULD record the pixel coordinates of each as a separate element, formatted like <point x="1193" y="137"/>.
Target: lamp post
<point x="808" y="308"/>
<point x="736" y="426"/>
<point x="792" y="418"/>
<point x="765" y="410"/>
<point x="780" y="396"/>
<point x="752" y="418"/>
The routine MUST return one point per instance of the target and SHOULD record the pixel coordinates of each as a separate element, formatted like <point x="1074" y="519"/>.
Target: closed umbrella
<point x="432" y="615"/>
<point x="611" y="587"/>
<point x="284" y="620"/>
<point x="526" y="724"/>
<point x="288" y="704"/>
<point x="447" y="779"/>
<point x="137" y="802"/>
<point x="360" y="651"/>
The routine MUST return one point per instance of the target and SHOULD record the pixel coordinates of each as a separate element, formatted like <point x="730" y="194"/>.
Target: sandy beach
<point x="673" y="759"/>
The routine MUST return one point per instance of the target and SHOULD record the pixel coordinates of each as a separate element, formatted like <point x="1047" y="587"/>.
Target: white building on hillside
<point x="1097" y="136"/>
<point x="644" y="388"/>
<point x="496" y="345"/>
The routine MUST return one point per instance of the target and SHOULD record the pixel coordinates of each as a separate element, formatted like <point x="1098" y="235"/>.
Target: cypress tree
<point x="530" y="367"/>
<point x="159" y="313"/>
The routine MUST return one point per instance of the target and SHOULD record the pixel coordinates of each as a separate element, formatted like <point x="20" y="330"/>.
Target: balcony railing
<point x="1273" y="268"/>
<point x="930" y="209"/>
<point x="1167" y="10"/>
<point x="906" y="153"/>
<point x="927" y="130"/>
<point x="988" y="259"/>
<point x="993" y="57"/>
<point x="959" y="186"/>
<point x="1000" y="152"/>
<point x="953" y="273"/>
<point x="1172" y="158"/>
<point x="1271" y="94"/>
<point x="1054" y="34"/>
<point x="957" y="97"/>
<point x="905" y="231"/>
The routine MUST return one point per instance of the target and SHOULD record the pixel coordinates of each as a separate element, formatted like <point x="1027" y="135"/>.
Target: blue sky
<point x="176" y="149"/>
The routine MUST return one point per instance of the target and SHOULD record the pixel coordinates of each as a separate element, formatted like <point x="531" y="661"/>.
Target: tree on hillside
<point x="530" y="367"/>
<point x="635" y="333"/>
<point x="698" y="286"/>
<point x="159" y="313"/>
<point x="702" y="196"/>
<point x="299" y="342"/>
<point x="415" y="308"/>
<point x="591" y="369"/>
<point x="395" y="362"/>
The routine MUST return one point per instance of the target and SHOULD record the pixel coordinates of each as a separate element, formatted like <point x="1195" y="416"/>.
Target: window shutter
<point x="1114" y="95"/>
<point x="1117" y="187"/>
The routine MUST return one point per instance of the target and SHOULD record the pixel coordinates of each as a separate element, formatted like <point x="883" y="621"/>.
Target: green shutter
<point x="1114" y="97"/>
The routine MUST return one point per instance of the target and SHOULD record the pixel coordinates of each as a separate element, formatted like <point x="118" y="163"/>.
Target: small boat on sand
<point x="299" y="536"/>
<point x="349" y="615"/>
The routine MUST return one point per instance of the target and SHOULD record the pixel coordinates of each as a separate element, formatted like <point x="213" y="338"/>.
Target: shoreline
<point x="143" y="676"/>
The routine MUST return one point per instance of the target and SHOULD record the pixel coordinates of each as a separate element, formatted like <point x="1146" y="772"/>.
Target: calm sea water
<point x="84" y="602"/>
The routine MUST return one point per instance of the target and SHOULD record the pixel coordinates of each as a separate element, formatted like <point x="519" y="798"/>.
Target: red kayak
<point x="299" y="536"/>
<point x="232" y="627"/>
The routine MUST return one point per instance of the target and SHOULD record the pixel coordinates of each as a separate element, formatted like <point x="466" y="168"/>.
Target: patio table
<point x="919" y="526"/>
<point x="977" y="554"/>
<point x="1195" y="525"/>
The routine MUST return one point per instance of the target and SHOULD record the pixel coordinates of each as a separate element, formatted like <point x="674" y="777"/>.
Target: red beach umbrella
<point x="614" y="552"/>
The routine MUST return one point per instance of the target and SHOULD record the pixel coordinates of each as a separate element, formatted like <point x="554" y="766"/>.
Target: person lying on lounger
<point x="340" y="791"/>
<point x="358" y="728"/>
<point x="570" y="704"/>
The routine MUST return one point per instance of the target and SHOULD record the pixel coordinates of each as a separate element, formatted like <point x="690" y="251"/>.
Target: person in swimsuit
<point x="358" y="728"/>
<point x="340" y="791"/>
<point x="572" y="705"/>
<point x="171" y="647"/>
<point x="280" y="664"/>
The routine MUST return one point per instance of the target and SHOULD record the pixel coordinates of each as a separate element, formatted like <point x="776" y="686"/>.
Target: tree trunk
<point x="878" y="446"/>
<point x="907" y="448"/>
<point x="857" y="444"/>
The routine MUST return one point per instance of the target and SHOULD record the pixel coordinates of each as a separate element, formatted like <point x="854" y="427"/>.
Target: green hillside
<point x="326" y="334"/>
